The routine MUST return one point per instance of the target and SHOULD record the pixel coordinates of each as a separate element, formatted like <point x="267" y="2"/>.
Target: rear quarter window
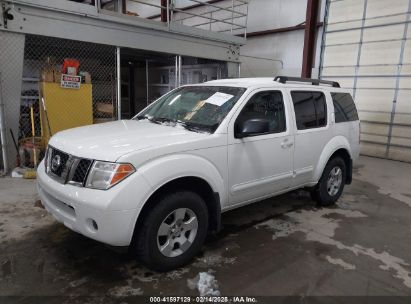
<point x="344" y="107"/>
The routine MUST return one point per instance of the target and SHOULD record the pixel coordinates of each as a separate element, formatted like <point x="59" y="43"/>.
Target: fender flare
<point x="161" y="171"/>
<point x="188" y="166"/>
<point x="335" y="144"/>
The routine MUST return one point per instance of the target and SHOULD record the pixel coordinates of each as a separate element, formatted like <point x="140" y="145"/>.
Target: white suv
<point x="160" y="181"/>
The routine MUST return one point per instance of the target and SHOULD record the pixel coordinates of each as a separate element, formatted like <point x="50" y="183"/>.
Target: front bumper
<point x="89" y="211"/>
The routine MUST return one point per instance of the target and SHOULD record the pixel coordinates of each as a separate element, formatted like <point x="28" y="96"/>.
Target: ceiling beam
<point x="278" y="30"/>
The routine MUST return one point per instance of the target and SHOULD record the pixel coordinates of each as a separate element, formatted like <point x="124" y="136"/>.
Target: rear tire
<point x="331" y="184"/>
<point x="172" y="232"/>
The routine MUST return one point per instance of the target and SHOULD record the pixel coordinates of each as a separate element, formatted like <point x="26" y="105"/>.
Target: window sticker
<point x="219" y="99"/>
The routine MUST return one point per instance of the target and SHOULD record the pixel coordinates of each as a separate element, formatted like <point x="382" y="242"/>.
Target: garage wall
<point x="283" y="52"/>
<point x="367" y="48"/>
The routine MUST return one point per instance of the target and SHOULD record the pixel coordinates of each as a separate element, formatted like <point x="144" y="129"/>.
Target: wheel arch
<point x="338" y="146"/>
<point x="188" y="183"/>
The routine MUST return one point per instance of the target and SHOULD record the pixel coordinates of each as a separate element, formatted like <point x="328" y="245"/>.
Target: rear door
<point x="313" y="131"/>
<point x="261" y="165"/>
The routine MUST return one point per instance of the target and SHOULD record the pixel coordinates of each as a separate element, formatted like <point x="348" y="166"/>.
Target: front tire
<point x="331" y="183"/>
<point x="173" y="231"/>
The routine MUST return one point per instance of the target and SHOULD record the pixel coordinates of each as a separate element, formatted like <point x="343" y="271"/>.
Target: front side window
<point x="197" y="108"/>
<point x="310" y="109"/>
<point x="344" y="107"/>
<point x="268" y="105"/>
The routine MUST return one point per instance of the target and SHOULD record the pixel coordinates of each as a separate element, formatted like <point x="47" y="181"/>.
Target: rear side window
<point x="344" y="107"/>
<point x="310" y="109"/>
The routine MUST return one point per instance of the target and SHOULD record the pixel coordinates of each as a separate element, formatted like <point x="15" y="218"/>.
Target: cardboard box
<point x="47" y="76"/>
<point x="101" y="120"/>
<point x="87" y="77"/>
<point x="105" y="108"/>
<point x="57" y="76"/>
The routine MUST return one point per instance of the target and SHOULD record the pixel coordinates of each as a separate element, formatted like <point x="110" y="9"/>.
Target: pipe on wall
<point x="278" y="30"/>
<point x="118" y="70"/>
<point x="310" y="37"/>
<point x="3" y="137"/>
<point x="163" y="15"/>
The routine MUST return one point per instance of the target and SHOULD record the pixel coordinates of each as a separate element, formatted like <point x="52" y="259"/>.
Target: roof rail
<point x="284" y="79"/>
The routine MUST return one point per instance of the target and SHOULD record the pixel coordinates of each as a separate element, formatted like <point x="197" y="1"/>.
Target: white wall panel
<point x="343" y="55"/>
<point x="332" y="71"/>
<point x="399" y="153"/>
<point x="394" y="19"/>
<point x="376" y="83"/>
<point x="381" y="81"/>
<point x="381" y="53"/>
<point x="375" y="100"/>
<point x="403" y="109"/>
<point x="343" y="37"/>
<point x="378" y="8"/>
<point x="374" y="117"/>
<point x="370" y="149"/>
<point x="383" y="33"/>
<point x="346" y="10"/>
<point x="378" y="129"/>
<point x="405" y="82"/>
<point x="383" y="70"/>
<point x="407" y="51"/>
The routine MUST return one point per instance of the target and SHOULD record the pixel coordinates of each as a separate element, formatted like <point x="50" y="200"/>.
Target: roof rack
<point x="284" y="79"/>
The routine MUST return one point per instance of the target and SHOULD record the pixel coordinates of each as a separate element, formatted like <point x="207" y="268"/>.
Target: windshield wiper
<point x="194" y="126"/>
<point x="149" y="118"/>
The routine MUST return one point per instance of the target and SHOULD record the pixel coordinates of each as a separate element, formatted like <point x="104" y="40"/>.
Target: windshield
<point x="198" y="108"/>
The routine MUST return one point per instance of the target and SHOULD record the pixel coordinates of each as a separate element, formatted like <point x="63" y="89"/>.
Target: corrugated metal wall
<point x="367" y="48"/>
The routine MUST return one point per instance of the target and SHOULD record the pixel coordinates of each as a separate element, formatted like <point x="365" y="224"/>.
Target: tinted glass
<point x="310" y="109"/>
<point x="320" y="108"/>
<point x="344" y="107"/>
<point x="267" y="105"/>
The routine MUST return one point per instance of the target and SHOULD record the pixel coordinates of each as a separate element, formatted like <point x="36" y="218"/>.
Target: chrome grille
<point x="66" y="168"/>
<point x="79" y="171"/>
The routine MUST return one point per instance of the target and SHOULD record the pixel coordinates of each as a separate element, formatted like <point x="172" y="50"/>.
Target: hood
<point x="109" y="141"/>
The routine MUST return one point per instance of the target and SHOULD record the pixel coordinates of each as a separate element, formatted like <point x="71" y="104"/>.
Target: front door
<point x="262" y="164"/>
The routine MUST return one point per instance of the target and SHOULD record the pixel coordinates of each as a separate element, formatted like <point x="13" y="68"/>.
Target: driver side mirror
<point x="250" y="127"/>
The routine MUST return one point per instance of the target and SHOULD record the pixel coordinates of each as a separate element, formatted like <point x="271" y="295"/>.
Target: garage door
<point x="367" y="48"/>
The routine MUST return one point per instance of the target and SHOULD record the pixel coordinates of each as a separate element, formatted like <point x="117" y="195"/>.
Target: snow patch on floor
<point x="205" y="283"/>
<point x="125" y="291"/>
<point x="341" y="263"/>
<point x="213" y="259"/>
<point x="79" y="282"/>
<point x="317" y="227"/>
<point x="176" y="274"/>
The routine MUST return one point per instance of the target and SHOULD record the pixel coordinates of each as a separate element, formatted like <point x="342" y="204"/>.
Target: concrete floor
<point x="282" y="246"/>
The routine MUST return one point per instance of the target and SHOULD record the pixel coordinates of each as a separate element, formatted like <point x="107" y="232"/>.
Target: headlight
<point x="104" y="175"/>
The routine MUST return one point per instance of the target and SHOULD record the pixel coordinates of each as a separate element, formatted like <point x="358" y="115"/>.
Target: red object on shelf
<point x="70" y="66"/>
